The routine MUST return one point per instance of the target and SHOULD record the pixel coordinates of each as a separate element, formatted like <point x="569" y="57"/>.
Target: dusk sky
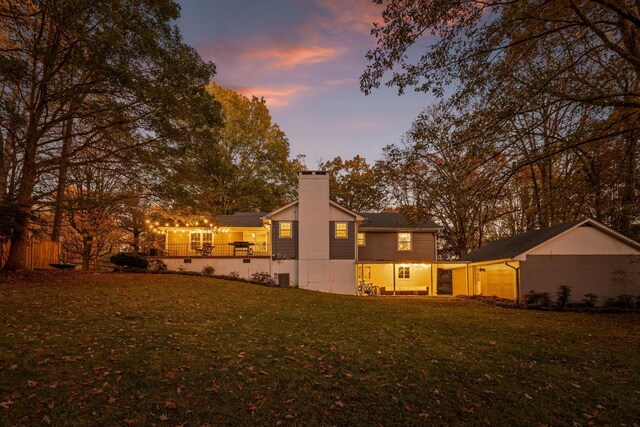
<point x="305" y="58"/>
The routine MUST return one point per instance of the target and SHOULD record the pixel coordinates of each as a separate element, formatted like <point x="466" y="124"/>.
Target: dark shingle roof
<point x="511" y="247"/>
<point x="240" y="219"/>
<point x="392" y="220"/>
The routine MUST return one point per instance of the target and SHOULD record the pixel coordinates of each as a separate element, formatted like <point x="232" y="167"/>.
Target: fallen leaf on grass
<point x="31" y="383"/>
<point x="170" y="404"/>
<point x="6" y="403"/>
<point x="130" y="421"/>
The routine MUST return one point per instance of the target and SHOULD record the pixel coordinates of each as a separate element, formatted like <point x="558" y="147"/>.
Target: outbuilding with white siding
<point x="585" y="255"/>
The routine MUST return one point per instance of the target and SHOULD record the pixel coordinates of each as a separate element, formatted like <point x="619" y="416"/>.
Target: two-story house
<point x="314" y="243"/>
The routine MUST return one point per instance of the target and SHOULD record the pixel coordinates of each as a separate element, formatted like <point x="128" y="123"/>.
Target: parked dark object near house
<point x="63" y="266"/>
<point x="130" y="260"/>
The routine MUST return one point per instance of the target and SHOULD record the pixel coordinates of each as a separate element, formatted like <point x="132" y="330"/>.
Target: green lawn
<point x="116" y="349"/>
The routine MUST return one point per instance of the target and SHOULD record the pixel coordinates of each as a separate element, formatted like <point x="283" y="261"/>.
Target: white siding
<point x="585" y="240"/>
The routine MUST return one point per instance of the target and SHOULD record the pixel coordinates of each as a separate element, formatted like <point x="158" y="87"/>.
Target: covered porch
<point x="410" y="278"/>
<point x="214" y="242"/>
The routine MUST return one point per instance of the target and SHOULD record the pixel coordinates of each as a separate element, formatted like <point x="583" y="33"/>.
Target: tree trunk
<point x="629" y="190"/>
<point x="136" y="239"/>
<point x="62" y="180"/>
<point x="87" y="247"/>
<point x="19" y="237"/>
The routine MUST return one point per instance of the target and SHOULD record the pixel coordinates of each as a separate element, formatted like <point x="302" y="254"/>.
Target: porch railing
<point x="218" y="250"/>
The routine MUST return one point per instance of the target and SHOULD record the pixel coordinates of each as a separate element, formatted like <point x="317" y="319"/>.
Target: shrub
<point x="537" y="299"/>
<point x="234" y="274"/>
<point x="589" y="300"/>
<point x="130" y="260"/>
<point x="625" y="302"/>
<point x="157" y="265"/>
<point x="207" y="270"/>
<point x="621" y="302"/>
<point x="563" y="294"/>
<point x="263" y="278"/>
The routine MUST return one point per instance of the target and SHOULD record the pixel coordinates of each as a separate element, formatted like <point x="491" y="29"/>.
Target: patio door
<point x="198" y="239"/>
<point x="195" y="241"/>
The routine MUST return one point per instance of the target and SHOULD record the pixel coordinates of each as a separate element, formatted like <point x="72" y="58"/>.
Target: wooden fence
<point x="40" y="253"/>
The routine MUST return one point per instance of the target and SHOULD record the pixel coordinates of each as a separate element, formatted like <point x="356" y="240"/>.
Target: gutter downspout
<point x="517" y="271"/>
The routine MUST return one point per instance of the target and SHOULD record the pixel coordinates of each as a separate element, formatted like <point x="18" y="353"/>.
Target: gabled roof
<point x="394" y="221"/>
<point x="511" y="247"/>
<point x="331" y="203"/>
<point x="280" y="209"/>
<point x="240" y="219"/>
<point x="350" y="212"/>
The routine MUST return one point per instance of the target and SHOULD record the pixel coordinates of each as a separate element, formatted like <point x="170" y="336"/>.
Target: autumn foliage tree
<point x="242" y="166"/>
<point x="355" y="184"/>
<point x="550" y="88"/>
<point x="75" y="73"/>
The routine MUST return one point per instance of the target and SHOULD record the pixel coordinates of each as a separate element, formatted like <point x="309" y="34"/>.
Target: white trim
<point x="398" y="241"/>
<point x="346" y="230"/>
<point x="280" y="223"/>
<point x="342" y="208"/>
<point x="280" y="209"/>
<point x="331" y="203"/>
<point x="590" y="221"/>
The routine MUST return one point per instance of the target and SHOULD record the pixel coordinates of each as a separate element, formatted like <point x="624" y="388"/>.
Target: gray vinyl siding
<point x="342" y="248"/>
<point x="286" y="248"/>
<point x="606" y="276"/>
<point x="383" y="246"/>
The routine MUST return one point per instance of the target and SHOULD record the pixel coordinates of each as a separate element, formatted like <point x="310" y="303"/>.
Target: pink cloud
<point x="274" y="96"/>
<point x="272" y="54"/>
<point x="342" y="82"/>
<point x="287" y="57"/>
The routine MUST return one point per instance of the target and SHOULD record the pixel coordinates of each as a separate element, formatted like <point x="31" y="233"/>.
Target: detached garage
<point x="586" y="255"/>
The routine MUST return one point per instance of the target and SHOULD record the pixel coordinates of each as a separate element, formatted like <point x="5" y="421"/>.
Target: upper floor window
<point x="404" y="241"/>
<point x="285" y="230"/>
<point x="341" y="230"/>
<point x="362" y="240"/>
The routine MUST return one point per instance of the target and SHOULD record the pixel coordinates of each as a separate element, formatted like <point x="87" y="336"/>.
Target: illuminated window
<point x="285" y="229"/>
<point x="404" y="273"/>
<point x="404" y="241"/>
<point x="361" y="239"/>
<point x="195" y="241"/>
<point x="341" y="230"/>
<point x="207" y="238"/>
<point x="364" y="272"/>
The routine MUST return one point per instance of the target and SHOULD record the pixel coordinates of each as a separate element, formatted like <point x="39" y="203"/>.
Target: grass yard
<point x="116" y="349"/>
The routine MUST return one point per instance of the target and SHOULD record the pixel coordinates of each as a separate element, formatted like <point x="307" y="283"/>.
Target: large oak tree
<point x="75" y="73"/>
